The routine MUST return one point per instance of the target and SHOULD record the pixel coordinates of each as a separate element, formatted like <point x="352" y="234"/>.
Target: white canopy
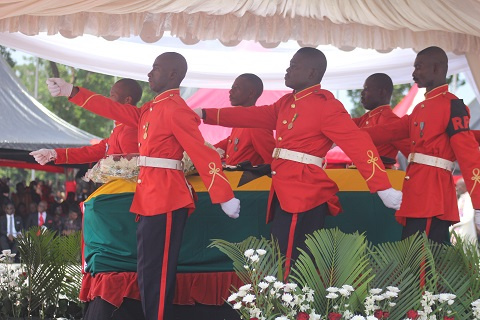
<point x="380" y="24"/>
<point x="212" y="65"/>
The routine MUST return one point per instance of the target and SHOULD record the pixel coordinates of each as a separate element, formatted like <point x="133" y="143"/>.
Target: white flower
<point x="347" y="314"/>
<point x="232" y="297"/>
<point x="270" y="278"/>
<point x="6" y="252"/>
<point x="393" y="289"/>
<point x="375" y="291"/>
<point x="248" y="298"/>
<point x="392" y="304"/>
<point x="263" y="285"/>
<point x="371" y="318"/>
<point x="261" y="252"/>
<point x="357" y="317"/>
<point x="237" y="305"/>
<point x="390" y="294"/>
<point x="248" y="253"/>
<point x="281" y="318"/>
<point x="290" y="287"/>
<point x="332" y="289"/>
<point x="348" y="287"/>
<point x="245" y="287"/>
<point x="278" y="285"/>
<point x="287" y="297"/>
<point x="314" y="316"/>
<point x="332" y="295"/>
<point x="254" y="258"/>
<point x="344" y="292"/>
<point x="450" y="302"/>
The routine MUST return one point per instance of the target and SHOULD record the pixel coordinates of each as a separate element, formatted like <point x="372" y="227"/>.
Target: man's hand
<point x="59" y="87"/>
<point x="199" y="112"/>
<point x="231" y="208"/>
<point x="44" y="156"/>
<point x="391" y="198"/>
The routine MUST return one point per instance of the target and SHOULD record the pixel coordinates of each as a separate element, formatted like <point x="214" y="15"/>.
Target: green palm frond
<point x="399" y="264"/>
<point x="271" y="264"/>
<point x="46" y="259"/>
<point x="458" y="269"/>
<point x="334" y="259"/>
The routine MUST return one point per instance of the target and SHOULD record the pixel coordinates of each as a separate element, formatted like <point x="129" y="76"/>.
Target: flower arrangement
<point x="13" y="286"/>
<point x="379" y="303"/>
<point x="333" y="258"/>
<point x="270" y="298"/>
<point x="188" y="166"/>
<point x="114" y="167"/>
<point x="476" y="309"/>
<point x="435" y="306"/>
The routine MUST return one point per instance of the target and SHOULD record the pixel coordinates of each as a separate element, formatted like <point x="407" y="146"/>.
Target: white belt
<point x="143" y="161"/>
<point x="297" y="156"/>
<point x="431" y="161"/>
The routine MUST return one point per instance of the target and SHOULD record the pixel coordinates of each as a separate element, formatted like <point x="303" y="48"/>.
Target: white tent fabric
<point x="212" y="65"/>
<point x="380" y="24"/>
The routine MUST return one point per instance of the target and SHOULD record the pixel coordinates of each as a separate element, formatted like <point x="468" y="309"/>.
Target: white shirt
<point x="44" y="216"/>
<point x="11" y="225"/>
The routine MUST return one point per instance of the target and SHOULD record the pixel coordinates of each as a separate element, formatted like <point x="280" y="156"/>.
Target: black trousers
<point x="290" y="229"/>
<point x="99" y="309"/>
<point x="158" y="241"/>
<point x="436" y="229"/>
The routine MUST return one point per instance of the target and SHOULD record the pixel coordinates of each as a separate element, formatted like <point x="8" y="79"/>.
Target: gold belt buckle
<point x="276" y="153"/>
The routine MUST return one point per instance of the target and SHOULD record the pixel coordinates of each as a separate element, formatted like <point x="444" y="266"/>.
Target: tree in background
<point x="76" y="116"/>
<point x="399" y="91"/>
<point x="6" y="53"/>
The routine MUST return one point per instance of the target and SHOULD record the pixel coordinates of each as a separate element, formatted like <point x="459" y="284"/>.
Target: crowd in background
<point x="62" y="210"/>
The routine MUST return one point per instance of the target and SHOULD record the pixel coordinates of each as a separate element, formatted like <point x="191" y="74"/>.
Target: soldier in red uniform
<point x="166" y="128"/>
<point x="307" y="122"/>
<point x="252" y="144"/>
<point x="375" y="97"/>
<point x="439" y="134"/>
<point x="123" y="299"/>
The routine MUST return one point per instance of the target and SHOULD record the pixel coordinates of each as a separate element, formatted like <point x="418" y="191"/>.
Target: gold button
<point x="413" y="142"/>
<point x="415" y="123"/>
<point x="229" y="141"/>
<point x="139" y="181"/>
<point x="274" y="173"/>
<point x="407" y="177"/>
<point x="293" y="106"/>
<point x="284" y="121"/>
<point x="151" y="108"/>
<point x="279" y="138"/>
<point x="366" y="122"/>
<point x="228" y="156"/>
<point x="423" y="106"/>
<point x="139" y="144"/>
<point x="171" y="94"/>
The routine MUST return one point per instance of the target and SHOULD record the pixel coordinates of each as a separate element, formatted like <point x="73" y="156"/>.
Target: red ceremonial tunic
<point x="253" y="144"/>
<point x="435" y="128"/>
<point x="316" y="119"/>
<point x="123" y="140"/>
<point x="380" y="115"/>
<point x="166" y="128"/>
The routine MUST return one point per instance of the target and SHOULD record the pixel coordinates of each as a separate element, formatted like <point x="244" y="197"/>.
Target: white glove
<point x="221" y="152"/>
<point x="231" y="208"/>
<point x="199" y="112"/>
<point x="59" y="87"/>
<point x="391" y="198"/>
<point x="43" y="156"/>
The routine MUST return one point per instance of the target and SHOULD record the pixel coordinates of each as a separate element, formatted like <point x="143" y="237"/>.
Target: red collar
<point x="435" y="92"/>
<point x="306" y="92"/>
<point x="166" y="94"/>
